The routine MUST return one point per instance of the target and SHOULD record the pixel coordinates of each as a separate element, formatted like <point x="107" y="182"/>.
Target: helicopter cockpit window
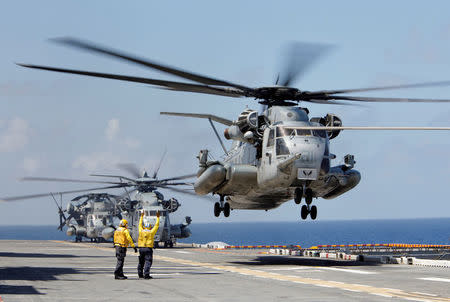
<point x="270" y="139"/>
<point x="292" y="132"/>
<point x="320" y="133"/>
<point x="303" y="132"/>
<point x="281" y="148"/>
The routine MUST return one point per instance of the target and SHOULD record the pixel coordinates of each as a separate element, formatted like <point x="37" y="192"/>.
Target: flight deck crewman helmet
<point x="123" y="223"/>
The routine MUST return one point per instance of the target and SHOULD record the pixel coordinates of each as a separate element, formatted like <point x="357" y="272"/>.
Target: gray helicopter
<point x="277" y="155"/>
<point x="95" y="216"/>
<point x="144" y="197"/>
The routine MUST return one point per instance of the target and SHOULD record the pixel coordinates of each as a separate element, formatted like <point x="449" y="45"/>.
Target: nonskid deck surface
<point x="66" y="271"/>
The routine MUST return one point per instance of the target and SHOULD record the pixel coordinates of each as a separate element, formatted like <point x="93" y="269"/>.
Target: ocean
<point x="304" y="233"/>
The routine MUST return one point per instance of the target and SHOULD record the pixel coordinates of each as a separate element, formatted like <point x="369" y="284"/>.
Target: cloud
<point x="15" y="136"/>
<point x="30" y="165"/>
<point x="99" y="161"/>
<point x="112" y="129"/>
<point x="111" y="132"/>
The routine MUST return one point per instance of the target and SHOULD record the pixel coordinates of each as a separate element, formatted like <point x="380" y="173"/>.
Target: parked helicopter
<point x="278" y="155"/>
<point x="147" y="199"/>
<point x="95" y="216"/>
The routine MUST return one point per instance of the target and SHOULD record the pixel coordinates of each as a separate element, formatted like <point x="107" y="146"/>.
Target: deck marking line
<point x="348" y="270"/>
<point x="308" y="281"/>
<point x="435" y="279"/>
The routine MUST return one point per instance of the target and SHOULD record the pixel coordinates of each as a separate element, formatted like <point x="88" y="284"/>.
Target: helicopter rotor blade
<point x="14" y="198"/>
<point x="299" y="57"/>
<point x="178" y="178"/>
<point x="130" y="168"/>
<point x="171" y="85"/>
<point x="145" y="62"/>
<point x="190" y="193"/>
<point x="392" y="87"/>
<point x="115" y="176"/>
<point x="155" y="174"/>
<point x="67" y="180"/>
<point x="386" y="100"/>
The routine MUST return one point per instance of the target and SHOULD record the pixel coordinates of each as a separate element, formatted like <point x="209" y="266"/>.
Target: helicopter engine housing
<point x="231" y="179"/>
<point x="330" y="120"/>
<point x="71" y="231"/>
<point x="107" y="233"/>
<point x="211" y="178"/>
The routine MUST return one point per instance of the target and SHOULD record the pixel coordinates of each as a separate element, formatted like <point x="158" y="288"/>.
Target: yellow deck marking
<point x="384" y="292"/>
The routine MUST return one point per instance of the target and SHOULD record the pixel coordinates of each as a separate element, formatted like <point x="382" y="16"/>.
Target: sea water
<point x="305" y="233"/>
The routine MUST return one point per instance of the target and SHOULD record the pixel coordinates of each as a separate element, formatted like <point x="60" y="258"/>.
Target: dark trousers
<point x="145" y="260"/>
<point x="121" y="253"/>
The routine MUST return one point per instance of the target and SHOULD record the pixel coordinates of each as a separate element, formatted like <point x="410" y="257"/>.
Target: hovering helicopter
<point x="278" y="155"/>
<point x="93" y="214"/>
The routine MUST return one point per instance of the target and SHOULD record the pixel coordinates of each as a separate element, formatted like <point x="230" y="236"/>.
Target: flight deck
<point x="67" y="271"/>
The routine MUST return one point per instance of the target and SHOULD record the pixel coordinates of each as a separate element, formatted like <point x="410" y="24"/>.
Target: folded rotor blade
<point x="369" y="128"/>
<point x="215" y="118"/>
<point x="179" y="177"/>
<point x="299" y="57"/>
<point x="14" y="198"/>
<point x="130" y="168"/>
<point x="67" y="180"/>
<point x="416" y="85"/>
<point x="385" y="100"/>
<point x="147" y="63"/>
<point x="171" y="85"/>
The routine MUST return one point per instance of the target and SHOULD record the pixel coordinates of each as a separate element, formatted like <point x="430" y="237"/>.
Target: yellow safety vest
<point x="146" y="236"/>
<point x="122" y="237"/>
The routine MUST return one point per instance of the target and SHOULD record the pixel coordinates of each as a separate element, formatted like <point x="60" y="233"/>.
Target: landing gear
<point x="304" y="212"/>
<point x="226" y="209"/>
<point x="222" y="206"/>
<point x="217" y="209"/>
<point x="308" y="196"/>
<point x="308" y="209"/>
<point x="313" y="212"/>
<point x="298" y="195"/>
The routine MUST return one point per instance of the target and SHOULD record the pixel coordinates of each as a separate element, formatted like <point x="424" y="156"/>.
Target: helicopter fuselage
<point x="288" y="158"/>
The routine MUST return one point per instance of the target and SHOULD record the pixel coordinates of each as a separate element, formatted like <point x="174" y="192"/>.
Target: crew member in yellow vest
<point x="145" y="243"/>
<point x="122" y="240"/>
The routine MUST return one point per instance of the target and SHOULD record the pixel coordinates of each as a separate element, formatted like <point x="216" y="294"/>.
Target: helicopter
<point x="148" y="200"/>
<point x="278" y="154"/>
<point x="94" y="215"/>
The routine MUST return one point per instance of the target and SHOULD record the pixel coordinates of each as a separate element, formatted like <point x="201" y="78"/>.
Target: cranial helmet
<point x="123" y="223"/>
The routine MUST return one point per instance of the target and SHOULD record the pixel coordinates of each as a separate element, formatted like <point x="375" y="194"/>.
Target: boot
<point x="117" y="277"/>
<point x="148" y="277"/>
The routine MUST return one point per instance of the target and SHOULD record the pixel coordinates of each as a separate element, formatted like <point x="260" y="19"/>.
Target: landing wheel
<point x="308" y="196"/>
<point x="298" y="195"/>
<point x="304" y="212"/>
<point x="313" y="212"/>
<point x="217" y="209"/>
<point x="226" y="209"/>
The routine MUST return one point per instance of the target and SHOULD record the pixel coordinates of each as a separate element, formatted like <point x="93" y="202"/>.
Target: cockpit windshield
<point x="281" y="132"/>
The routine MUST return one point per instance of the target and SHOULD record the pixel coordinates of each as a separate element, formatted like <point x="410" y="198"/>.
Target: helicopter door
<point x="268" y="168"/>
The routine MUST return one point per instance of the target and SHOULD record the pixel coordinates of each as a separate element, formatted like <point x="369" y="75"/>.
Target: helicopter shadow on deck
<point x="41" y="255"/>
<point x="290" y="260"/>
<point x="26" y="273"/>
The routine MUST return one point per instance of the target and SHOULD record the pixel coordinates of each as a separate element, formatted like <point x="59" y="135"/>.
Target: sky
<point x="60" y="125"/>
